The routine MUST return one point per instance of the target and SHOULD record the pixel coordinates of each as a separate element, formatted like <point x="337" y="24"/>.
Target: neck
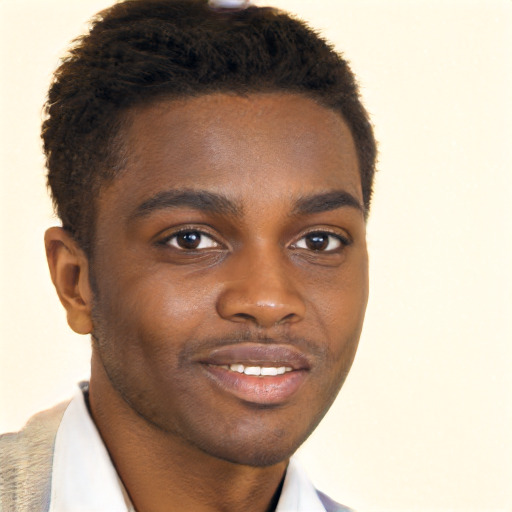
<point x="163" y="472"/>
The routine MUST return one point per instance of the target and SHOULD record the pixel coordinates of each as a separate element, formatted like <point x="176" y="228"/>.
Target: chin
<point x="263" y="454"/>
<point x="253" y="442"/>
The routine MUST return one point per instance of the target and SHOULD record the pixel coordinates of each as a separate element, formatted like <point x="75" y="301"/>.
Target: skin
<point x="273" y="266"/>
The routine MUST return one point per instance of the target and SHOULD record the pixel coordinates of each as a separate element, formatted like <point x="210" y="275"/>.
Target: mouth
<point x="256" y="373"/>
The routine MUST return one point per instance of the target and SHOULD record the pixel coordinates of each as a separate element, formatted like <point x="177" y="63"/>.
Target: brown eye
<point x="317" y="242"/>
<point x="191" y="240"/>
<point x="320" y="241"/>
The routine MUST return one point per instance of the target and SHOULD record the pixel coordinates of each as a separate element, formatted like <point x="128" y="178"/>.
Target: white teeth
<point x="265" y="371"/>
<point x="269" y="371"/>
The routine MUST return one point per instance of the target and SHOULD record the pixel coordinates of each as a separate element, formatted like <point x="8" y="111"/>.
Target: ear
<point x="69" y="269"/>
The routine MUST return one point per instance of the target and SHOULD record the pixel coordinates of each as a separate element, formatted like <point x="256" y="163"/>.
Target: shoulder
<point x="39" y="430"/>
<point x="26" y="460"/>
<point x="331" y="505"/>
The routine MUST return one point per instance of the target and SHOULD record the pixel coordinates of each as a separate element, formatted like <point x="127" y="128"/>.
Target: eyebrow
<point x="328" y="201"/>
<point x="201" y="200"/>
<point x="211" y="202"/>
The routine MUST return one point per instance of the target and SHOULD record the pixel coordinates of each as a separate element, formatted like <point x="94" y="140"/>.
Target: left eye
<point x="191" y="240"/>
<point x="320" y="241"/>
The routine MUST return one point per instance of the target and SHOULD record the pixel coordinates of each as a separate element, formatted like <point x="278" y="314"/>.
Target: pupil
<point x="189" y="240"/>
<point x="317" y="242"/>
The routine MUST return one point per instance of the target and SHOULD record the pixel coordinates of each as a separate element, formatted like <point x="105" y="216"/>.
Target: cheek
<point x="152" y="310"/>
<point x="343" y="317"/>
<point x="339" y="300"/>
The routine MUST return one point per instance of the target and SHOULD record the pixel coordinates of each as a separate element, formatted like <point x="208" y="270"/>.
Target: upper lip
<point x="257" y="354"/>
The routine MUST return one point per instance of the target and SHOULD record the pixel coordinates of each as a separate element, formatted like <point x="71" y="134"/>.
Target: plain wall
<point x="424" y="421"/>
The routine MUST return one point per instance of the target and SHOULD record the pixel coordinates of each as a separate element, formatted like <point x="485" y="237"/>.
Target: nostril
<point x="244" y="317"/>
<point x="264" y="319"/>
<point x="288" y="318"/>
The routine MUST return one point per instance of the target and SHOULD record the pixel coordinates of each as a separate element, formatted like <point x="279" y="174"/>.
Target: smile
<point x="263" y="374"/>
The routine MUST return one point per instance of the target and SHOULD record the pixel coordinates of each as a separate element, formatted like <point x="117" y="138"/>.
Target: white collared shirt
<point x="85" y="480"/>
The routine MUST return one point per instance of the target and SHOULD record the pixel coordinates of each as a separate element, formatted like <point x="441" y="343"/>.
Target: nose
<point x="260" y="291"/>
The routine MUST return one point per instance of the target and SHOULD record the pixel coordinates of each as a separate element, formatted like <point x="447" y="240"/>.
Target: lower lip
<point x="260" y="390"/>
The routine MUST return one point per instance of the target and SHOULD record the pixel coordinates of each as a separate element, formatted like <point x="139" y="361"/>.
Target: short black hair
<point x="140" y="51"/>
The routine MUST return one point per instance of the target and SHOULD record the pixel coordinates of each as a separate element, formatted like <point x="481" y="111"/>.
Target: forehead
<point x="257" y="147"/>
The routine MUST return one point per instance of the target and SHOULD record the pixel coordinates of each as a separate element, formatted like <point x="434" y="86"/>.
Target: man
<point x="212" y="166"/>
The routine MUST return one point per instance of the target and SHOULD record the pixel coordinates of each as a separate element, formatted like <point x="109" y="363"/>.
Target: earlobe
<point x="69" y="269"/>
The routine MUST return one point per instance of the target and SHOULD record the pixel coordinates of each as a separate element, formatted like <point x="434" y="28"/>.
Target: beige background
<point x="424" y="422"/>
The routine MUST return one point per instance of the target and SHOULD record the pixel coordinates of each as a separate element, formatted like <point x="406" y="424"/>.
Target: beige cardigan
<point x="26" y="459"/>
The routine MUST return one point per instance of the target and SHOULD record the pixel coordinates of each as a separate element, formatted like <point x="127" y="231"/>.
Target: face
<point x="230" y="271"/>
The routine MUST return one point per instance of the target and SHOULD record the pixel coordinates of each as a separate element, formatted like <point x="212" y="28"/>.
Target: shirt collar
<point x="83" y="476"/>
<point x="85" y="480"/>
<point x="298" y="493"/>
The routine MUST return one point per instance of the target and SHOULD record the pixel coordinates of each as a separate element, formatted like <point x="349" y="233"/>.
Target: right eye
<point x="191" y="240"/>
